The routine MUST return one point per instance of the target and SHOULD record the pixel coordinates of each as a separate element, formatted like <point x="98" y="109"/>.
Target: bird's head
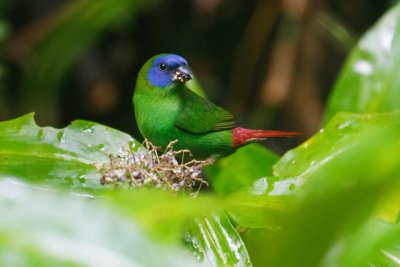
<point x="167" y="69"/>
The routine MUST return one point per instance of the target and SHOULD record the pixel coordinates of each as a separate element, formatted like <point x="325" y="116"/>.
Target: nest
<point x="146" y="168"/>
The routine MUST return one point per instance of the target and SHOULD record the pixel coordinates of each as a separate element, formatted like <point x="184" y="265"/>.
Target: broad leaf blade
<point x="62" y="156"/>
<point x="41" y="228"/>
<point x="341" y="134"/>
<point x="369" y="81"/>
<point x="341" y="191"/>
<point x="164" y="215"/>
<point x="262" y="203"/>
<point x="241" y="169"/>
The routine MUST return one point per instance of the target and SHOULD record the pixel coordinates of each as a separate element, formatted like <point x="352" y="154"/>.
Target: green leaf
<point x="376" y="243"/>
<point x="369" y="81"/>
<point x="341" y="134"/>
<point x="210" y="235"/>
<point x="163" y="214"/>
<point x="259" y="243"/>
<point x="214" y="238"/>
<point x="342" y="190"/>
<point x="262" y="203"/>
<point x="62" y="156"/>
<point x="42" y="228"/>
<point x="241" y="169"/>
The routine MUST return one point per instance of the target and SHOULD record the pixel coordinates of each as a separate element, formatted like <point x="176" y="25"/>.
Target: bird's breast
<point x="156" y="118"/>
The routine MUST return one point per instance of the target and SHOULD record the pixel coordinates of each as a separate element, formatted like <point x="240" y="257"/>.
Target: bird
<point x="167" y="110"/>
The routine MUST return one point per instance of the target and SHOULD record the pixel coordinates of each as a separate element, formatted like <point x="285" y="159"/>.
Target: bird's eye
<point x="162" y="66"/>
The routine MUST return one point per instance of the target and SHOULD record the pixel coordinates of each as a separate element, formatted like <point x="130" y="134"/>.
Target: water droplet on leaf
<point x="88" y="129"/>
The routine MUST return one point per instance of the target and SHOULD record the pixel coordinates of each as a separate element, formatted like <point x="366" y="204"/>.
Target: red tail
<point x="242" y="135"/>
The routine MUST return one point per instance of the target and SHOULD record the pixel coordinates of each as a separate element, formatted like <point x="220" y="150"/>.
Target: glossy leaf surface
<point x="369" y="81"/>
<point x="340" y="192"/>
<point x="41" y="228"/>
<point x="341" y="134"/>
<point x="214" y="239"/>
<point x="260" y="204"/>
<point x="241" y="169"/>
<point x="62" y="156"/>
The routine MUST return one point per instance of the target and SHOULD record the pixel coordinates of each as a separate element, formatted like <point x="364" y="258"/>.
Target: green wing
<point x="198" y="115"/>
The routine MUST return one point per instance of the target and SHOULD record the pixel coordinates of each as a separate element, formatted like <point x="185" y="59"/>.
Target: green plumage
<point x="166" y="113"/>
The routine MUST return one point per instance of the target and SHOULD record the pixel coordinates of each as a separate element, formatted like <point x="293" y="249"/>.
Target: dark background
<point x="271" y="63"/>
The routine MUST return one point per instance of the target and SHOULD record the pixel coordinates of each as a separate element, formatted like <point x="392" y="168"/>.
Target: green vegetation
<point x="332" y="201"/>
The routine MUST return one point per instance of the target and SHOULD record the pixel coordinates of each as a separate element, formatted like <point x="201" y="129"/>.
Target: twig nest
<point x="146" y="168"/>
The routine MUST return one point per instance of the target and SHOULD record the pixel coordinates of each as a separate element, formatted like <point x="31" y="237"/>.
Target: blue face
<point x="167" y="69"/>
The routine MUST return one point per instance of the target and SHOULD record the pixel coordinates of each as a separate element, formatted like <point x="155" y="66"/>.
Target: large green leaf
<point x="62" y="156"/>
<point x="212" y="238"/>
<point x="41" y="228"/>
<point x="346" y="177"/>
<point x="241" y="169"/>
<point x="339" y="135"/>
<point x="163" y="214"/>
<point x="262" y="203"/>
<point x="370" y="81"/>
<point x="210" y="234"/>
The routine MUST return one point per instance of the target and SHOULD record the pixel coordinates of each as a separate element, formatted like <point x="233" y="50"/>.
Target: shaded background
<point x="271" y="63"/>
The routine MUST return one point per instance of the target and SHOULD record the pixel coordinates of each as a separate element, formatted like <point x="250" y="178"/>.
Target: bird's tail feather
<point x="242" y="135"/>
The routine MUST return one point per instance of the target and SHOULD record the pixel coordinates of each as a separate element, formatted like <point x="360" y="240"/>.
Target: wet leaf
<point x="213" y="238"/>
<point x="60" y="156"/>
<point x="43" y="228"/>
<point x="369" y="81"/>
<point x="343" y="189"/>
<point x="342" y="133"/>
<point x="262" y="203"/>
<point x="241" y="169"/>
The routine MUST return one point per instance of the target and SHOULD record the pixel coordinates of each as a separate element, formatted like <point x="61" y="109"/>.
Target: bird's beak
<point x="182" y="74"/>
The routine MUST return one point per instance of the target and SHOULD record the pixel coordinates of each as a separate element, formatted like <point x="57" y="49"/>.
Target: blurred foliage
<point x="345" y="187"/>
<point x="332" y="201"/>
<point x="78" y="20"/>
<point x="45" y="228"/>
<point x="369" y="80"/>
<point x="338" y="197"/>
